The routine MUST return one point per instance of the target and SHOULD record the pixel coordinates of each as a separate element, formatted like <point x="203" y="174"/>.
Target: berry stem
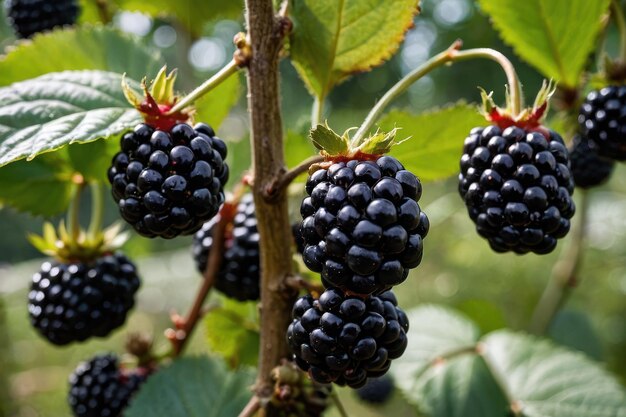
<point x="288" y="177"/>
<point x="97" y="209"/>
<point x="222" y="75"/>
<point x="564" y="275"/>
<point x="104" y="11"/>
<point x="181" y="337"/>
<point x="73" y="213"/>
<point x="618" y="16"/>
<point x="451" y="54"/>
<point x="251" y="408"/>
<point x="340" y="408"/>
<point x="317" y="111"/>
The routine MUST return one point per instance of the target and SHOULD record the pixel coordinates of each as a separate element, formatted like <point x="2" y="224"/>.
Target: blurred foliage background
<point x="458" y="269"/>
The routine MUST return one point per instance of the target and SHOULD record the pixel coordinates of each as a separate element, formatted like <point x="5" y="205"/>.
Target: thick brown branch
<point x="282" y="181"/>
<point x="266" y="33"/>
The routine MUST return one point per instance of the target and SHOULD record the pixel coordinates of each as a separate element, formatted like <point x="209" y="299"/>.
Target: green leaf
<point x="192" y="14"/>
<point x="555" y="36"/>
<point x="58" y="109"/>
<point x="333" y="39"/>
<point x="192" y="387"/>
<point x="232" y="332"/>
<point x="214" y="107"/>
<point x="325" y="139"/>
<point x="40" y="187"/>
<point x="447" y="371"/>
<point x="92" y="160"/>
<point x="574" y="330"/>
<point x="83" y="48"/>
<point x="297" y="149"/>
<point x="546" y="380"/>
<point x="436" y="139"/>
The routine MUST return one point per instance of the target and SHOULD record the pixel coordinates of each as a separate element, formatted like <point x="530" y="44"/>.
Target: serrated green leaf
<point x="555" y="36"/>
<point x="232" y="332"/>
<point x="547" y="380"/>
<point x="83" y="48"/>
<point x="436" y="139"/>
<point x="333" y="39"/>
<point x="574" y="330"/>
<point x="447" y="371"/>
<point x="58" y="109"/>
<point x="325" y="139"/>
<point x="192" y="387"/>
<point x="40" y="187"/>
<point x="192" y="14"/>
<point x="214" y="107"/>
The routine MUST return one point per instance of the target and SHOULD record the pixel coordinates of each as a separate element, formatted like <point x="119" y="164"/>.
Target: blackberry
<point x="239" y="273"/>
<point x="362" y="228"/>
<point x="602" y="120"/>
<point x="28" y="17"/>
<point x="346" y="339"/>
<point x="98" y="388"/>
<point x="588" y="168"/>
<point x="376" y="390"/>
<point x="168" y="183"/>
<point x="517" y="188"/>
<point x="74" y="301"/>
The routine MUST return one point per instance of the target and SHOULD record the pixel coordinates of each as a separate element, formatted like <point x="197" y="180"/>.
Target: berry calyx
<point x="345" y="339"/>
<point x="529" y="119"/>
<point x="158" y="100"/>
<point x="28" y="17"/>
<point x="602" y="121"/>
<point x="73" y="301"/>
<point x="169" y="182"/>
<point x="517" y="187"/>
<point x="588" y="168"/>
<point x="101" y="388"/>
<point x="362" y="226"/>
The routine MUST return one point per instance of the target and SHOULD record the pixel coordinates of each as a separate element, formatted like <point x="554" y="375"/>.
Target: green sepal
<point x="379" y="143"/>
<point x="328" y="142"/>
<point x="86" y="246"/>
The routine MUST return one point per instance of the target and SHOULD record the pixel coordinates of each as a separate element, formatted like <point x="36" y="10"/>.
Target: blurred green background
<point x="458" y="269"/>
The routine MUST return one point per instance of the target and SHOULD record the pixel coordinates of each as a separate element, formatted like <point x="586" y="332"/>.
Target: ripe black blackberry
<point x="239" y="272"/>
<point x="99" y="388"/>
<point x="169" y="182"/>
<point x="602" y="120"/>
<point x="73" y="301"/>
<point x="362" y="228"/>
<point x="517" y="188"/>
<point x="588" y="168"/>
<point x="346" y="339"/>
<point x="376" y="390"/>
<point x="28" y="17"/>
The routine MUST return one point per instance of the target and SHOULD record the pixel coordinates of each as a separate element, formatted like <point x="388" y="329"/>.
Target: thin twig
<point x="338" y="404"/>
<point x="564" y="276"/>
<point x="104" y="11"/>
<point x="180" y="337"/>
<point x="299" y="283"/>
<point x="288" y="177"/>
<point x="251" y="408"/>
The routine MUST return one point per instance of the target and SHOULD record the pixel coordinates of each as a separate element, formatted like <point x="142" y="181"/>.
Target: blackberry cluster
<point x="517" y="188"/>
<point x="169" y="183"/>
<point x="602" y="120"/>
<point x="28" y="17"/>
<point x="345" y="339"/>
<point x="588" y="168"/>
<point x="376" y="390"/>
<point x="362" y="228"/>
<point x="239" y="273"/>
<point x="98" y="388"/>
<point x="74" y="301"/>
